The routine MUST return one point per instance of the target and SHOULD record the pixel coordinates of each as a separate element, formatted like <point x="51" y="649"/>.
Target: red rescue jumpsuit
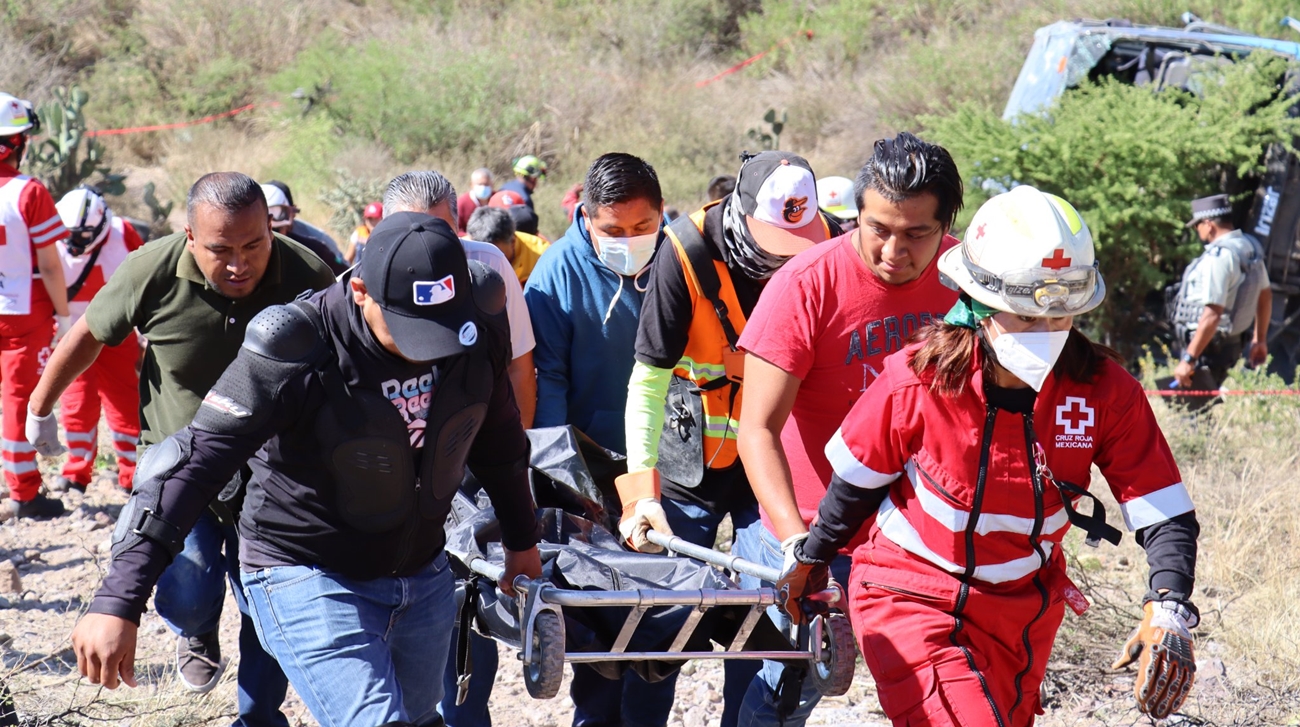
<point x="112" y="379"/>
<point x="28" y="221"/>
<point x="958" y="591"/>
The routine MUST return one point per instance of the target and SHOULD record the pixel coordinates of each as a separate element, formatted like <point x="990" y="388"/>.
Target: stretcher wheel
<point x="833" y="675"/>
<point x="543" y="676"/>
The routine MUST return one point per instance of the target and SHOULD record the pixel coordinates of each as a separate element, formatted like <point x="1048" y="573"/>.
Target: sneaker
<point x="38" y="508"/>
<point x="63" y="484"/>
<point x="198" y="662"/>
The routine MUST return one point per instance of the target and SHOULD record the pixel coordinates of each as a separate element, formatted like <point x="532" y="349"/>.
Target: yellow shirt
<point x="528" y="248"/>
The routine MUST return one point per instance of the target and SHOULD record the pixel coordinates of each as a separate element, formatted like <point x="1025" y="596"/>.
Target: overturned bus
<point x="1068" y="53"/>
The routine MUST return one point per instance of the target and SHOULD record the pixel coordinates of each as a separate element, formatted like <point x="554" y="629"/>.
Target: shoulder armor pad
<point x="489" y="289"/>
<point x="283" y="333"/>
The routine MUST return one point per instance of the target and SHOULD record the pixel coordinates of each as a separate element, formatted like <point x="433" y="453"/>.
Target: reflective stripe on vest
<point x="108" y="261"/>
<point x="701" y="362"/>
<point x="15" y="251"/>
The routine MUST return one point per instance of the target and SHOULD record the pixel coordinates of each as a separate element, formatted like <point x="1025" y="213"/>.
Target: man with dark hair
<point x="721" y="186"/>
<point x="818" y="338"/>
<point x="497" y="226"/>
<point x="585" y="299"/>
<point x="1224" y="295"/>
<point x="684" y="396"/>
<point x="192" y="294"/>
<point x="402" y="362"/>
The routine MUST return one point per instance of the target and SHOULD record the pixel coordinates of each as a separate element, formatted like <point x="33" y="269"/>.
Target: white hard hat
<point x="85" y="213"/>
<point x="1029" y="253"/>
<point x="835" y="196"/>
<point x="274" y="196"/>
<point x="277" y="204"/>
<point x="16" y="115"/>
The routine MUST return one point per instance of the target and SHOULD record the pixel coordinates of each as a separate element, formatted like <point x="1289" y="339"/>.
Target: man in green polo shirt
<point x="191" y="295"/>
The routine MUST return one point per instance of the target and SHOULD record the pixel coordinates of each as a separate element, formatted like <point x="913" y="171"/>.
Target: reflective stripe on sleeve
<point x="847" y="466"/>
<point x="1156" y="507"/>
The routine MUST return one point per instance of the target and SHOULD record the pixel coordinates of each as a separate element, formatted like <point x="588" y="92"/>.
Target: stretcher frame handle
<point x="733" y="563"/>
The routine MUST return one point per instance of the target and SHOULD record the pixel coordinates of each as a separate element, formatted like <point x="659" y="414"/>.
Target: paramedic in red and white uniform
<point x="33" y="302"/>
<point x="99" y="242"/>
<point x="963" y="449"/>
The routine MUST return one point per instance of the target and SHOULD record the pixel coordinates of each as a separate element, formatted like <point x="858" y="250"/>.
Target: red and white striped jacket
<point x="997" y="527"/>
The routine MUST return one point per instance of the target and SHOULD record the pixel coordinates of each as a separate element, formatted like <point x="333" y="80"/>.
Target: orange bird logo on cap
<point x="794" y="209"/>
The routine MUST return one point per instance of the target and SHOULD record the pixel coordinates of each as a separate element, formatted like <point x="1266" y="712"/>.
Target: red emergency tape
<point x="177" y="125"/>
<point x="1222" y="392"/>
<point x="805" y="33"/>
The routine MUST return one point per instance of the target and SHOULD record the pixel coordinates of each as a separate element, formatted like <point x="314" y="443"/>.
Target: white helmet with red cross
<point x="1029" y="253"/>
<point x="16" y="115"/>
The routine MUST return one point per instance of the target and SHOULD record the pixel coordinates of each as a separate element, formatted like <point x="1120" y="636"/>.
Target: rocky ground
<point x="49" y="571"/>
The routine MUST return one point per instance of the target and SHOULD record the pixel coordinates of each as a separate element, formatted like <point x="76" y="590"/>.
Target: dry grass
<point x="1238" y="462"/>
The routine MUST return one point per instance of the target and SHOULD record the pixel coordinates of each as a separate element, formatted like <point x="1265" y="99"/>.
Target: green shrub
<point x="418" y="97"/>
<point x="1130" y="161"/>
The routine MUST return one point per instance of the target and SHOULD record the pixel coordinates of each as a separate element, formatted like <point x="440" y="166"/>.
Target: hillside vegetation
<point x="388" y="85"/>
<point x="350" y="93"/>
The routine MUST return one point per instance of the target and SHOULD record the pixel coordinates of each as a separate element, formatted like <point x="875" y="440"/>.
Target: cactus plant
<point x="58" y="159"/>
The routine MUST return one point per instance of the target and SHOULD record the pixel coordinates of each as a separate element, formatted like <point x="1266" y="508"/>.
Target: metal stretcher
<point x="824" y="645"/>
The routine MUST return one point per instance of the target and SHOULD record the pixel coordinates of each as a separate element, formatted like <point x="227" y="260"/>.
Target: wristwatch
<point x="1187" y="358"/>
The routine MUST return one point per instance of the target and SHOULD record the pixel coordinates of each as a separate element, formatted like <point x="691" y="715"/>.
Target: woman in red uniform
<point x="973" y="451"/>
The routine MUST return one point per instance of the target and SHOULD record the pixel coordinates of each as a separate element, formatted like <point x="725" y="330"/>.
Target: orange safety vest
<point x="703" y="362"/>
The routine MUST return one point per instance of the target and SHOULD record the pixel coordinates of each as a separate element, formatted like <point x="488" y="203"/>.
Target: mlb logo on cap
<point x="434" y="292"/>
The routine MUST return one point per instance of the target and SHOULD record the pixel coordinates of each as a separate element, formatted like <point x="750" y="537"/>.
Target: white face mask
<point x="626" y="255"/>
<point x="1030" y="356"/>
<point x="481" y="192"/>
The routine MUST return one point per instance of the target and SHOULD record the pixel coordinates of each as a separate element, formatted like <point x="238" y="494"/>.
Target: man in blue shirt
<point x="584" y="297"/>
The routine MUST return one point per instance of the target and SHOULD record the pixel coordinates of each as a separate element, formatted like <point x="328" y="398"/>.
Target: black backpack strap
<point x="701" y="260"/>
<point x="85" y="272"/>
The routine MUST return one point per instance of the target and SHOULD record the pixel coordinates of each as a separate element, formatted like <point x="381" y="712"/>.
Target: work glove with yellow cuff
<point x="639" y="493"/>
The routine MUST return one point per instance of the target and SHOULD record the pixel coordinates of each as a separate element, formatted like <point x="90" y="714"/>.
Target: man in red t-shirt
<point x="820" y="334"/>
<point x="822" y="329"/>
<point x="33" y="303"/>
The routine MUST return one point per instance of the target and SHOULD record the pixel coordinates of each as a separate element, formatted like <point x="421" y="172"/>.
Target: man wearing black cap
<point x="1223" y="295"/>
<point x="334" y="398"/>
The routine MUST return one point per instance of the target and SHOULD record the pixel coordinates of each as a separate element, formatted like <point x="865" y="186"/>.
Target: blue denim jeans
<point x="190" y="596"/>
<point x="597" y="703"/>
<point x="358" y="652"/>
<point x="759" y="708"/>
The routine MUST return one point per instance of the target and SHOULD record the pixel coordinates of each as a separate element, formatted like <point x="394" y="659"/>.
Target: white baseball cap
<point x="778" y="196"/>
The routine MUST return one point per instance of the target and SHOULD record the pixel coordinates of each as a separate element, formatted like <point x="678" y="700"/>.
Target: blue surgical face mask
<point x="481" y="192"/>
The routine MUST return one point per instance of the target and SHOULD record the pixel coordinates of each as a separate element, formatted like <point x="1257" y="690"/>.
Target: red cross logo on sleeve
<point x="979" y="232"/>
<point x="1058" y="260"/>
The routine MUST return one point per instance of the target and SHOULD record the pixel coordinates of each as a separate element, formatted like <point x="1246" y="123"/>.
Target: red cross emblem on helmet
<point x="1058" y="260"/>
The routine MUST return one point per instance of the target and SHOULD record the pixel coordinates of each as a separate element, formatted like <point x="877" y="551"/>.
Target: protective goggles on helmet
<point x="81" y="239"/>
<point x="1040" y="292"/>
<point x="279" y="215"/>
